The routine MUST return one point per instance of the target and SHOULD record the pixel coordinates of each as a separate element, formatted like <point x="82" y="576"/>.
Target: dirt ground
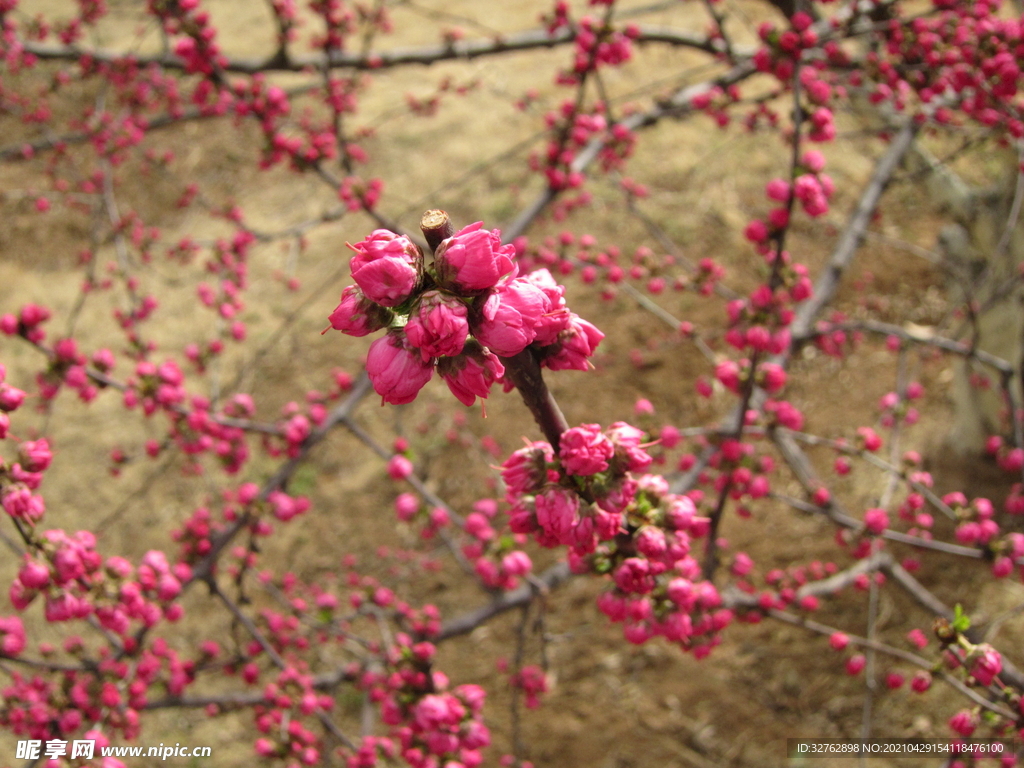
<point x="612" y="705"/>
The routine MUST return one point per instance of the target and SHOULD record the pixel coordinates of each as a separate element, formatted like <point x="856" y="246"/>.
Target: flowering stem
<point x="523" y="371"/>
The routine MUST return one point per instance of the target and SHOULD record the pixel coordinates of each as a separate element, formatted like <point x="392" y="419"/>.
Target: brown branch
<point x="898" y="653"/>
<point x="523" y="370"/>
<point x="842" y="255"/>
<point x="553" y="577"/>
<point x="203" y="569"/>
<point x="375" y="60"/>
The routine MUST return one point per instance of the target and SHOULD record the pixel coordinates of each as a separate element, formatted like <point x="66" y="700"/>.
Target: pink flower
<point x="838" y="640"/>
<point x="651" y="542"/>
<point x="634" y="576"/>
<point x="575" y="345"/>
<point x="516" y="563"/>
<point x="438" y="326"/>
<point x="406" y="506"/>
<point x="988" y="664"/>
<point x="964" y="722"/>
<point x="397" y="373"/>
<point x="773" y="376"/>
<point x="510" y="317"/>
<point x="917" y="638"/>
<point x="11" y="398"/>
<point x="34" y="575"/>
<point x="168" y="587"/>
<point x="869" y="438"/>
<point x="921" y="681"/>
<point x="876" y="520"/>
<point x="19" y="503"/>
<point x="742" y="565"/>
<point x="643" y="407"/>
<point x="728" y="373"/>
<point x="473" y="259"/>
<point x="557" y="513"/>
<point x="387" y="267"/>
<point x="585" y="450"/>
<point x="431" y="711"/>
<point x="65" y="607"/>
<point x="556" y="316"/>
<point x="473" y="696"/>
<point x="356" y="315"/>
<point x="35" y="455"/>
<point x="813" y="160"/>
<point x="627" y="439"/>
<point x="12" y="636"/>
<point x="855" y="664"/>
<point x="894" y="680"/>
<point x="525" y="471"/>
<point x="399" y="467"/>
<point x="471" y="374"/>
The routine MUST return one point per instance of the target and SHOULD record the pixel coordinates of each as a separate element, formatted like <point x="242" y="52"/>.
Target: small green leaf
<point x="961" y="621"/>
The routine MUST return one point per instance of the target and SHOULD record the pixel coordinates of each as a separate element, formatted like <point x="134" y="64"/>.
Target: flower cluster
<point x="533" y="682"/>
<point x="431" y="724"/>
<point x="589" y="498"/>
<point x="460" y="315"/>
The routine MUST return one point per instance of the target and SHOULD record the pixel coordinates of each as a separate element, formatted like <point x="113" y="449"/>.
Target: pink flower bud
<point x="917" y="638"/>
<point x="473" y="259"/>
<point x="557" y="513"/>
<point x="516" y="563"/>
<point x="855" y="664"/>
<point x="396" y="372"/>
<point x="431" y="712"/>
<point x="651" y="543"/>
<point x="921" y="681"/>
<point x="11" y="398"/>
<point x="12" y="636"/>
<point x="987" y="665"/>
<point x="556" y="316"/>
<point x="777" y="190"/>
<point x="1002" y="567"/>
<point x="471" y="374"/>
<point x="438" y="326"/>
<point x="356" y="315"/>
<point x="634" y="576"/>
<point x="728" y="373"/>
<point x="399" y="467"/>
<point x="406" y="506"/>
<point x="19" y="503"/>
<point x="773" y="376"/>
<point x="575" y="346"/>
<point x="387" y="267"/>
<point x="34" y="575"/>
<point x="838" y="641"/>
<point x="964" y="722"/>
<point x="742" y="565"/>
<point x="585" y="450"/>
<point x="876" y="520"/>
<point x="525" y="471"/>
<point x="35" y="455"/>
<point x="168" y="587"/>
<point x="869" y="439"/>
<point x="510" y="317"/>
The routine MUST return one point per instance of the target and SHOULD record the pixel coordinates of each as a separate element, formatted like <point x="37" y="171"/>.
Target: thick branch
<point x="523" y="370"/>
